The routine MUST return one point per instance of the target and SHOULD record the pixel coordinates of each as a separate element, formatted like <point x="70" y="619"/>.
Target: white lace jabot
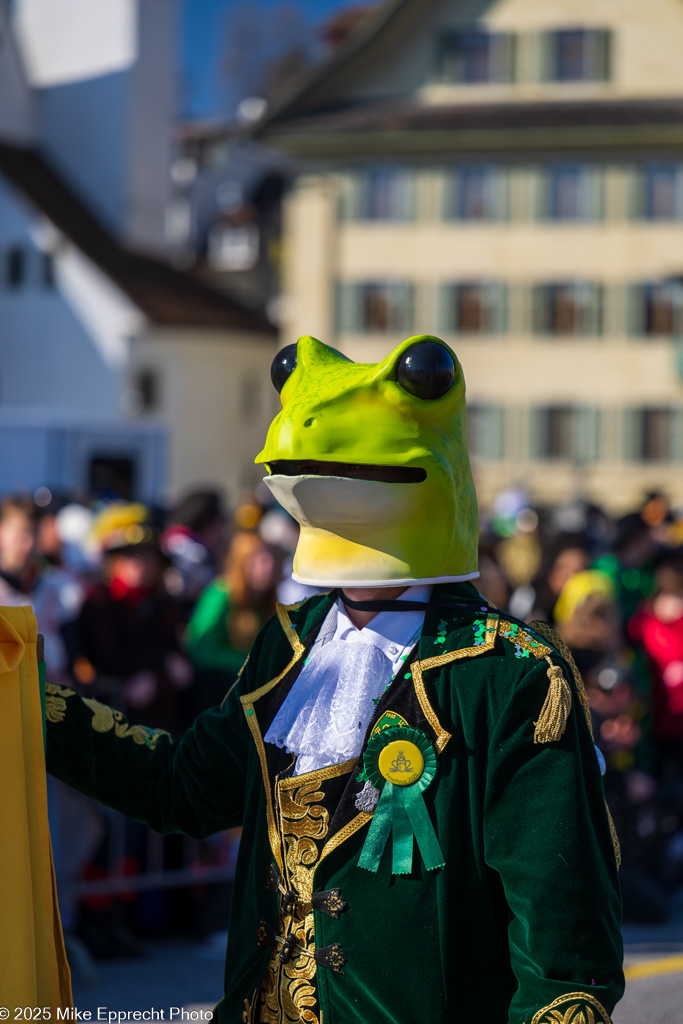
<point x="325" y="715"/>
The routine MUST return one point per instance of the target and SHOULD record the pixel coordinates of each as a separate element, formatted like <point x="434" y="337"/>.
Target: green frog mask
<point x="371" y="460"/>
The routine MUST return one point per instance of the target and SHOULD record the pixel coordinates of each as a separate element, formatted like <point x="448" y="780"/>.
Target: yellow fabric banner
<point x="33" y="965"/>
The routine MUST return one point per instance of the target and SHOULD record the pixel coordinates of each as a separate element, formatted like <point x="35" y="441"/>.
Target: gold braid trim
<point x="549" y="634"/>
<point x="573" y="1008"/>
<point x="552" y="720"/>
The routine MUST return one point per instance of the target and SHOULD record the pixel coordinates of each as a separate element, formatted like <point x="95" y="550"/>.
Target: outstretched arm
<point x="193" y="785"/>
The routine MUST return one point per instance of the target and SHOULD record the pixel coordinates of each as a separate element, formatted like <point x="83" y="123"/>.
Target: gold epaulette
<point x="552" y="720"/>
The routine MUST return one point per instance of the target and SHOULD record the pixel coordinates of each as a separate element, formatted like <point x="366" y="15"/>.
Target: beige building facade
<point x="508" y="176"/>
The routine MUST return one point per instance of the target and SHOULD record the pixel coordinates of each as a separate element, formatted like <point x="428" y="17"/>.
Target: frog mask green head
<point x="371" y="460"/>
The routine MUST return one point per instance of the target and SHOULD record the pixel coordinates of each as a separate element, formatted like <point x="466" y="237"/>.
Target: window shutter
<point x="506" y="57"/>
<point x="635" y="189"/>
<point x="596" y="193"/>
<point x="537" y="425"/>
<point x="676" y="444"/>
<point x="595" y="308"/>
<point x="546" y="57"/>
<point x="406" y="195"/>
<point x="403" y="301"/>
<point x="602" y="55"/>
<point x="446" y="297"/>
<point x="631" y="430"/>
<point x="496" y="307"/>
<point x="539" y="309"/>
<point x="501" y="195"/>
<point x="350" y="205"/>
<point x="348" y="307"/>
<point x="679" y="192"/>
<point x="587" y="438"/>
<point x="540" y="192"/>
<point x="451" y="189"/>
<point x="635" y="310"/>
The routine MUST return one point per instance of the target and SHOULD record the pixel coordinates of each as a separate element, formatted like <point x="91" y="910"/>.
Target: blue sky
<point x="204" y="29"/>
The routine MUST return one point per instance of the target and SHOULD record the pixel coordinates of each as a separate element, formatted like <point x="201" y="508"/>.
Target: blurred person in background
<point x="587" y="617"/>
<point x="18" y="532"/>
<point x="630" y="563"/>
<point x="492" y="582"/>
<point x="130" y="635"/>
<point x="195" y="542"/>
<point x="657" y="628"/>
<point x="563" y="556"/>
<point x="61" y="586"/>
<point x="229" y="614"/>
<point x="130" y="627"/>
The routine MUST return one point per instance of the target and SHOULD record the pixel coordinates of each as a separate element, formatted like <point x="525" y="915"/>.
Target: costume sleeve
<point x="547" y="834"/>
<point x="194" y="785"/>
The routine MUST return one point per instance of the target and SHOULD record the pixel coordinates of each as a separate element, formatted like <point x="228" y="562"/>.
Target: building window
<point x="655" y="309"/>
<point x="571" y="192"/>
<point x="565" y="433"/>
<point x="567" y="308"/>
<point x="15" y="267"/>
<point x="375" y="306"/>
<point x="473" y="307"/>
<point x="653" y="435"/>
<point x="472" y="56"/>
<point x="578" y="55"/>
<point x="477" y="192"/>
<point x="147" y="387"/>
<point x="379" y="193"/>
<point x="659" y="191"/>
<point x="485" y="431"/>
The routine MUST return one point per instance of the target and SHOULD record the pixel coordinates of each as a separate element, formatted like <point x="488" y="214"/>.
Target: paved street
<point x="189" y="977"/>
<point x="184" y="975"/>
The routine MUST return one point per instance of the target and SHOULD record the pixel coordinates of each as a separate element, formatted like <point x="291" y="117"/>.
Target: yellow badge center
<point x="401" y="762"/>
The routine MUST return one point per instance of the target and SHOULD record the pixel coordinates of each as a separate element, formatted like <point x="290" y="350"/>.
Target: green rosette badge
<point x="401" y="763"/>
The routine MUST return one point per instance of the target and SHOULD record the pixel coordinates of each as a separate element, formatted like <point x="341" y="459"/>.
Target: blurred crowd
<point x="155" y="611"/>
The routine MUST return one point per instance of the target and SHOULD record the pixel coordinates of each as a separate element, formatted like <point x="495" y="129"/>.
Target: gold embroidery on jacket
<point x="55" y="702"/>
<point x="106" y="718"/>
<point x="289" y="992"/>
<point x="573" y="1008"/>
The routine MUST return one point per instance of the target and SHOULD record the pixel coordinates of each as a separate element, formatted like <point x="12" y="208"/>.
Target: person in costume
<point x="425" y="837"/>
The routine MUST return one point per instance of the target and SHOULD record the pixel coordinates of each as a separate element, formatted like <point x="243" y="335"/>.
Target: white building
<point x="118" y="373"/>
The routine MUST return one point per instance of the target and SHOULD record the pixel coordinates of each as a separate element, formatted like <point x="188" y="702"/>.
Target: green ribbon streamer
<point x="422" y="828"/>
<point x="400" y="810"/>
<point x="401" y="832"/>
<point x="377" y="836"/>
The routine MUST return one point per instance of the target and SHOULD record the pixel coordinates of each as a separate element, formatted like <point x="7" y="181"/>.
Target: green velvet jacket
<point x="522" y="926"/>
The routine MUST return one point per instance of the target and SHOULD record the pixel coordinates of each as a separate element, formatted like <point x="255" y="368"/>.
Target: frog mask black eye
<point x="283" y="367"/>
<point x="425" y="370"/>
